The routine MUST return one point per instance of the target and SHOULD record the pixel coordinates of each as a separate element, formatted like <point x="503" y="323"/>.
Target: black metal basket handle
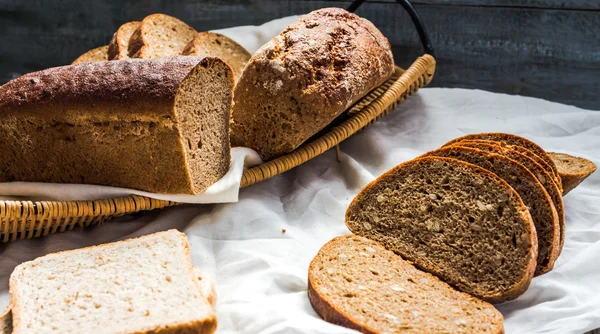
<point x="415" y="18"/>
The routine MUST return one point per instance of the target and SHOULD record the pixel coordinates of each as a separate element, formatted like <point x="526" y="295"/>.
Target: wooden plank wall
<point x="542" y="48"/>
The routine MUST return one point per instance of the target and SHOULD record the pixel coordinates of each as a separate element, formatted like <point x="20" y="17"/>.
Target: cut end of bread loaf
<point x="160" y="36"/>
<point x="572" y="170"/>
<point x="139" y="285"/>
<point x="202" y="105"/>
<point x="118" y="48"/>
<point x="97" y="54"/>
<point x="453" y="219"/>
<point x="357" y="283"/>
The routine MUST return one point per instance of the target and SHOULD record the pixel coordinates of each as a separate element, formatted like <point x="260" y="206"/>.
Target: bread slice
<point x="6" y="321"/>
<point x="542" y="175"/>
<point x="210" y="44"/>
<point x="511" y="139"/>
<point x="528" y="187"/>
<point x="160" y="36"/>
<point x="97" y="54"/>
<point x="158" y="125"/>
<point x="143" y="285"/>
<point x="118" y="48"/>
<point x="572" y="170"/>
<point x="452" y="219"/>
<point x="356" y="283"/>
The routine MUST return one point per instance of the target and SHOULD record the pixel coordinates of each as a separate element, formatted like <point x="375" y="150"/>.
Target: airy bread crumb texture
<point x="136" y="286"/>
<point x="357" y="283"/>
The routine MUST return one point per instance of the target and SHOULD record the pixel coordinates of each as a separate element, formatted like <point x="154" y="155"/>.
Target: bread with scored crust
<point x="118" y="48"/>
<point x="97" y="54"/>
<point x="572" y="170"/>
<point x="452" y="219"/>
<point x="356" y="283"/>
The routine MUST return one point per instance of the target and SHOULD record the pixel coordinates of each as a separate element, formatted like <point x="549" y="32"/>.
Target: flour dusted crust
<point x="301" y="80"/>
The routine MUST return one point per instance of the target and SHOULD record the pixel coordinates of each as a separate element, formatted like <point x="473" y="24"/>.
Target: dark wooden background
<point x="542" y="48"/>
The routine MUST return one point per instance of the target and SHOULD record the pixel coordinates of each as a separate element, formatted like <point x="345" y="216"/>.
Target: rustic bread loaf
<point x="452" y="219"/>
<point x="143" y="285"/>
<point x="119" y="44"/>
<point x="529" y="189"/>
<point x="541" y="174"/>
<point x="160" y="36"/>
<point x="300" y="81"/>
<point x="154" y="125"/>
<point x="210" y="44"/>
<point x="572" y="170"/>
<point x="97" y="54"/>
<point x="511" y="139"/>
<point x="357" y="283"/>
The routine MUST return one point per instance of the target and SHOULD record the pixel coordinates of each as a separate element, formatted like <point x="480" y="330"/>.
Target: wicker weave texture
<point x="28" y="219"/>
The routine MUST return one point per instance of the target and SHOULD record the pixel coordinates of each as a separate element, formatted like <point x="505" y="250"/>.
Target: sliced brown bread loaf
<point x="301" y="80"/>
<point x="453" y="219"/>
<point x="154" y="125"/>
<point x="119" y="44"/>
<point x="97" y="54"/>
<point x="160" y="36"/>
<point x="6" y="321"/>
<point x="542" y="175"/>
<point x="511" y="139"/>
<point x="210" y="44"/>
<point x="357" y="283"/>
<point x="572" y="170"/>
<point x="528" y="187"/>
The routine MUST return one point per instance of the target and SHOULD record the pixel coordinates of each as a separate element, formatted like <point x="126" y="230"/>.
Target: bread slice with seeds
<point x="118" y="48"/>
<point x="160" y="36"/>
<point x="356" y="283"/>
<point x="572" y="170"/>
<point x="452" y="219"/>
<point x="542" y="175"/>
<point x="528" y="187"/>
<point x="142" y="285"/>
<point x="211" y="44"/>
<point x="97" y="54"/>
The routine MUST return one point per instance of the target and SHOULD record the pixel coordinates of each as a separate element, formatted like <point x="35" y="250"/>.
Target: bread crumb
<point x="283" y="230"/>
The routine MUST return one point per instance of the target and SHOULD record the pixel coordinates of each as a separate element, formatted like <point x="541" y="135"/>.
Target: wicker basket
<point x="28" y="219"/>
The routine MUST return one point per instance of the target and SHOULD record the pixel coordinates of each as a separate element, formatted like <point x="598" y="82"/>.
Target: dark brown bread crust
<point x="107" y="123"/>
<point x="300" y="81"/>
<point x="572" y="170"/>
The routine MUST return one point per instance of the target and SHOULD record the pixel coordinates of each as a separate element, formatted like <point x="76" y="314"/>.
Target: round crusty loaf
<point x="357" y="283"/>
<point x="528" y="187"/>
<point x="301" y="80"/>
<point x="160" y="36"/>
<point x="119" y="44"/>
<point x="97" y="54"/>
<point x="541" y="174"/>
<point x="453" y="219"/>
<point x="511" y="139"/>
<point x="572" y="170"/>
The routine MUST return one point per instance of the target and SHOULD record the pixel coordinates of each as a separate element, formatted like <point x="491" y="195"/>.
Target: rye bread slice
<point x="356" y="283"/>
<point x="511" y="139"/>
<point x="160" y="36"/>
<point x="572" y="170"/>
<point x="542" y="175"/>
<point x="211" y="44"/>
<point x="97" y="54"/>
<point x="452" y="219"/>
<point x="119" y="44"/>
<point x="528" y="187"/>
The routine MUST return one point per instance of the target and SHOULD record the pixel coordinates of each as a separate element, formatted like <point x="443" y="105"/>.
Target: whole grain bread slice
<point x="511" y="139"/>
<point x="452" y="219"/>
<point x="541" y="174"/>
<point x="356" y="283"/>
<point x="142" y="285"/>
<point x="97" y="54"/>
<point x="118" y="48"/>
<point x="211" y="44"/>
<point x="572" y="170"/>
<point x="160" y="36"/>
<point x="528" y="187"/>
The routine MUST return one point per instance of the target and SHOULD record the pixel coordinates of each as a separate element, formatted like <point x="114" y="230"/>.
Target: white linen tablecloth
<point x="261" y="271"/>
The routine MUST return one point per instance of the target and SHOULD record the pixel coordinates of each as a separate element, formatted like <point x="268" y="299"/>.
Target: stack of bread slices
<point x="481" y="215"/>
<point x="143" y="285"/>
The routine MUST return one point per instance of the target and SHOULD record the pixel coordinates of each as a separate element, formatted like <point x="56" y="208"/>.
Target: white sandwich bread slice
<point x="142" y="285"/>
